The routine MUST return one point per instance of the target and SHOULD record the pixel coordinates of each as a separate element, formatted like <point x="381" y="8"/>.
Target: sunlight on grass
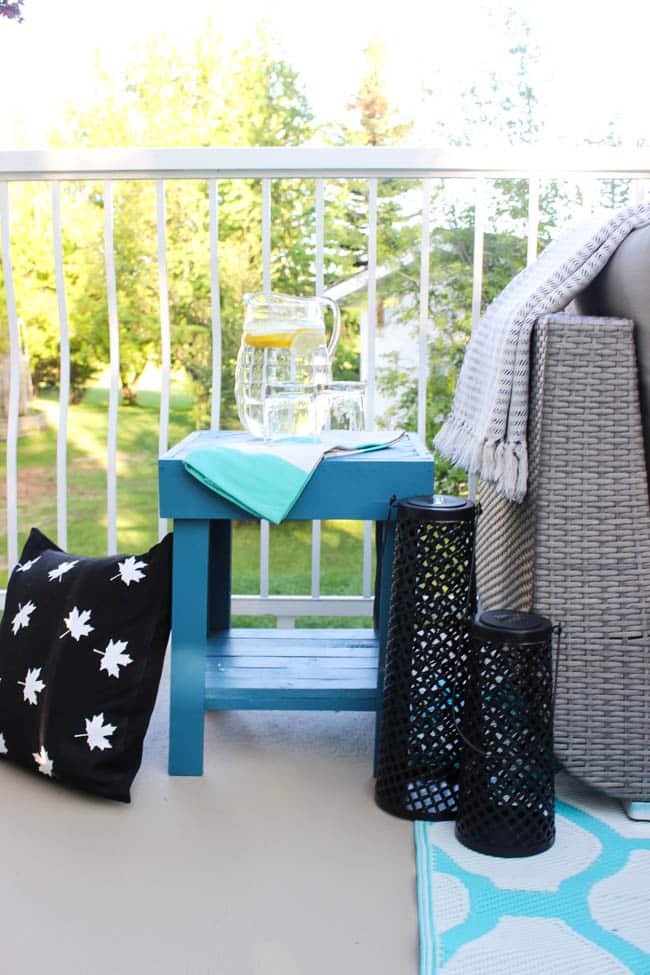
<point x="82" y="434"/>
<point x="137" y="500"/>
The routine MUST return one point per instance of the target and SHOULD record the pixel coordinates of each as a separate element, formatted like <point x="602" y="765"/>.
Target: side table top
<point x="346" y="486"/>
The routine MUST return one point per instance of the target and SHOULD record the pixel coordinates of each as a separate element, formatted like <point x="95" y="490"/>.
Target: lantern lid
<point x="511" y="626"/>
<point x="436" y="507"/>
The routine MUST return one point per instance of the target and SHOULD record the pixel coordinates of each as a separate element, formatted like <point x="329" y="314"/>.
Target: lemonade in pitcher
<point x="283" y="342"/>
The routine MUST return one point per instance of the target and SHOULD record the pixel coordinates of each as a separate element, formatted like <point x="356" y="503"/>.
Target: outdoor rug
<point x="580" y="908"/>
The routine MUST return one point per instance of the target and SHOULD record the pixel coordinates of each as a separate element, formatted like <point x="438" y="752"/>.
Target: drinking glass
<point x="294" y="410"/>
<point x="347" y="405"/>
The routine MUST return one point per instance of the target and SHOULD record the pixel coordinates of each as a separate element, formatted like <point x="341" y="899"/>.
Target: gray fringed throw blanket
<point x="486" y="429"/>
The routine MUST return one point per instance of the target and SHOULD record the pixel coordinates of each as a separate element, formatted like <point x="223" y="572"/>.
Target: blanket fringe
<point x="459" y="445"/>
<point x="503" y="464"/>
<point x="511" y="474"/>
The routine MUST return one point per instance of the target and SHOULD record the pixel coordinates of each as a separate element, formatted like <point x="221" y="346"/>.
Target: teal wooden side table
<point x="216" y="667"/>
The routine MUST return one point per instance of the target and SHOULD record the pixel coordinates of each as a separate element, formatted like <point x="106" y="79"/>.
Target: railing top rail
<point x="216" y="163"/>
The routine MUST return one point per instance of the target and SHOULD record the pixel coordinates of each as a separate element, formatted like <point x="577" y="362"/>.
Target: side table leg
<point x="387" y="535"/>
<point x="188" y="646"/>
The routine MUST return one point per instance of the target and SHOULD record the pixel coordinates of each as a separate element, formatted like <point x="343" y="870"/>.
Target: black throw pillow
<point x="82" y="643"/>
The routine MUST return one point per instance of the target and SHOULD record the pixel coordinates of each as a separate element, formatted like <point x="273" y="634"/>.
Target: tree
<point x="505" y="104"/>
<point x="207" y="95"/>
<point x="375" y="122"/>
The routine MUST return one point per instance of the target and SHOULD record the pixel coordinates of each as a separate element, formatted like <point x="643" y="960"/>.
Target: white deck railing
<point x="583" y="168"/>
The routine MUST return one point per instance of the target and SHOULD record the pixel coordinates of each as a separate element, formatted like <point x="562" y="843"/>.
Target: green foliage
<point x="504" y="103"/>
<point x="137" y="502"/>
<point x="376" y="124"/>
<point x="33" y="276"/>
<point x="210" y="95"/>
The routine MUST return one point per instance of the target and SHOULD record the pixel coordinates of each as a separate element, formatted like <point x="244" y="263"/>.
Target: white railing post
<point x="424" y="324"/>
<point x="477" y="278"/>
<point x="533" y="219"/>
<point x="266" y="287"/>
<point x="64" y="374"/>
<point x="165" y="330"/>
<point x="213" y="166"/>
<point x="371" y="321"/>
<point x="14" y="381"/>
<point x="320" y="288"/>
<point x="114" y="355"/>
<point x="370" y="370"/>
<point x="477" y="262"/>
<point x="215" y="305"/>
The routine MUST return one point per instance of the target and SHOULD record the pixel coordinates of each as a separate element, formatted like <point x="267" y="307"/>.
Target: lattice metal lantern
<point x="507" y="797"/>
<point x="431" y="607"/>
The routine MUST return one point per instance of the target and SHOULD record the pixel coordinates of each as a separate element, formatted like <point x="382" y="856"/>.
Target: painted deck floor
<point x="276" y="862"/>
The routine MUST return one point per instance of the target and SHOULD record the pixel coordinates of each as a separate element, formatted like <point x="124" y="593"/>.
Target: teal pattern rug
<point x="580" y="908"/>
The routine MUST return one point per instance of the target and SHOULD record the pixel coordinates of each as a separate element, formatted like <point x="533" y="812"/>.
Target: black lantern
<point x="507" y="799"/>
<point x="431" y="608"/>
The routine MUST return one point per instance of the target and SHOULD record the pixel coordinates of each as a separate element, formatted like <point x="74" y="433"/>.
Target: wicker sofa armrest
<point x="578" y="547"/>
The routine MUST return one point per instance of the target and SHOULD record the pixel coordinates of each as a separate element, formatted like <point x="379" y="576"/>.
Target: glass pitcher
<point x="283" y="341"/>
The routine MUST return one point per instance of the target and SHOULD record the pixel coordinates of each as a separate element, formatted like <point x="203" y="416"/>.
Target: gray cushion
<point x="622" y="290"/>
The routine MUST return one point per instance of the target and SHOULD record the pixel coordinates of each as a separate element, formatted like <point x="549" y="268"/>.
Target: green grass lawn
<point x="137" y="501"/>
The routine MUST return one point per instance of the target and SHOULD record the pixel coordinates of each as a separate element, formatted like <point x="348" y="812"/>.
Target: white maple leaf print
<point x="26" y="566"/>
<point x="77" y="623"/>
<point x="97" y="733"/>
<point x="61" y="570"/>
<point x="44" y="762"/>
<point x="32" y="685"/>
<point x="113" y="658"/>
<point x="3" y="745"/>
<point x="21" y="618"/>
<point x="130" y="570"/>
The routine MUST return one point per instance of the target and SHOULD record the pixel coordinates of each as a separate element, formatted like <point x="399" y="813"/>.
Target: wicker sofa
<point x="577" y="549"/>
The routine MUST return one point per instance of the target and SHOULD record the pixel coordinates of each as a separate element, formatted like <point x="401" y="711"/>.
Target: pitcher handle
<point x="336" y="328"/>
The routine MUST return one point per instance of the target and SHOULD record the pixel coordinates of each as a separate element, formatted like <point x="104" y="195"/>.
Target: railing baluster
<point x="266" y="236"/>
<point x="215" y="304"/>
<point x="320" y="237"/>
<point x="371" y="322"/>
<point x="370" y="362"/>
<point x="266" y="287"/>
<point x="423" y="331"/>
<point x="165" y="330"/>
<point x="320" y="288"/>
<point x="14" y="381"/>
<point x="477" y="278"/>
<point x="533" y="218"/>
<point x="64" y="373"/>
<point x="265" y="166"/>
<point x="114" y="365"/>
<point x="479" y="229"/>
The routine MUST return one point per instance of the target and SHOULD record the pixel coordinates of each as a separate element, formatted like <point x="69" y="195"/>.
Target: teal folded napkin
<point x="266" y="479"/>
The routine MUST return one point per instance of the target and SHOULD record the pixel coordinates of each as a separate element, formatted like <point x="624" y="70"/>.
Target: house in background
<point x="395" y="338"/>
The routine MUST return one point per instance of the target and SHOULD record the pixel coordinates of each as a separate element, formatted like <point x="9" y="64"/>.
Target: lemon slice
<point x="307" y="341"/>
<point x="269" y="340"/>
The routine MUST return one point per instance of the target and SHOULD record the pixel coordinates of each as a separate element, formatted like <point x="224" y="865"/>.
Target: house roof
<point x="355" y="284"/>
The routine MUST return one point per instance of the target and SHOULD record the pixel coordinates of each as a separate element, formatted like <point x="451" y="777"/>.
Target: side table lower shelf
<point x="298" y="670"/>
<point x="328" y="670"/>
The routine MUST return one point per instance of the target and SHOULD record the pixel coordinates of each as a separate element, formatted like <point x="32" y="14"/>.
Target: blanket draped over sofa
<point x="486" y="429"/>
